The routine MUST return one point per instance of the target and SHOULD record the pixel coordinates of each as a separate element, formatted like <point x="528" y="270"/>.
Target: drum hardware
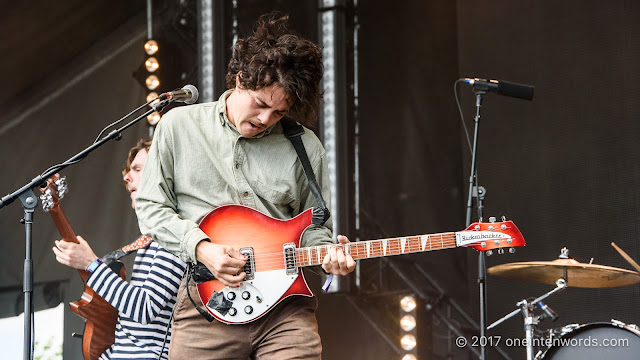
<point x="526" y="307"/>
<point x="565" y="272"/>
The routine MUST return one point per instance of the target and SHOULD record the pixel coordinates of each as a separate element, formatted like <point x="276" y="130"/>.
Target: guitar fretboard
<point x="314" y="255"/>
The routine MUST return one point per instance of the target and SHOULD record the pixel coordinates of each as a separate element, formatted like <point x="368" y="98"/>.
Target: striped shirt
<point x="144" y="304"/>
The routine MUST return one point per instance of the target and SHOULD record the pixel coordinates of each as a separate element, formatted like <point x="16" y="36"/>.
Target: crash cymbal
<point x="575" y="273"/>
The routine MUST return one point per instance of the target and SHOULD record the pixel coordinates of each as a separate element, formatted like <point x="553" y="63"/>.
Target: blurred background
<point x="563" y="166"/>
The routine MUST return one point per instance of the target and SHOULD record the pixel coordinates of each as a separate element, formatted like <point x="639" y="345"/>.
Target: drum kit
<point x="605" y="340"/>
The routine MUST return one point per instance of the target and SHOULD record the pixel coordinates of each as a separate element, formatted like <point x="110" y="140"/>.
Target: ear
<point x="238" y="85"/>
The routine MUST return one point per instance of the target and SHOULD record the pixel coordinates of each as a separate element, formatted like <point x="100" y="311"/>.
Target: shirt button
<point x="237" y="165"/>
<point x="246" y="194"/>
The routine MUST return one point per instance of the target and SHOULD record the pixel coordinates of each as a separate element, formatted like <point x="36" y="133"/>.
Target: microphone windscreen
<point x="194" y="94"/>
<point x="512" y="89"/>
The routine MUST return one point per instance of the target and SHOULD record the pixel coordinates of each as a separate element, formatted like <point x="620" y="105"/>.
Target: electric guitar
<point x="274" y="256"/>
<point x="100" y="317"/>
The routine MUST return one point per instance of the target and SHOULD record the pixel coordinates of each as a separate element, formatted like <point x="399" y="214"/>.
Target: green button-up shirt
<point x="198" y="161"/>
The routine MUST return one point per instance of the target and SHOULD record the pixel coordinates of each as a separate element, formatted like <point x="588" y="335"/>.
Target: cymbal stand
<point x="530" y="321"/>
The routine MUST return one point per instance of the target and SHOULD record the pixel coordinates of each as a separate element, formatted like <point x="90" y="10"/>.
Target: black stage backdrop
<point x="410" y="176"/>
<point x="565" y="166"/>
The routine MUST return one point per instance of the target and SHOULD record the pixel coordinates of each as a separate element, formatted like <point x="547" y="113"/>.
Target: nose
<point x="127" y="177"/>
<point x="265" y="116"/>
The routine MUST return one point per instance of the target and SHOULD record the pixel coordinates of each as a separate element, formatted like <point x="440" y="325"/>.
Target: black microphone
<point x="502" y="87"/>
<point x="188" y="94"/>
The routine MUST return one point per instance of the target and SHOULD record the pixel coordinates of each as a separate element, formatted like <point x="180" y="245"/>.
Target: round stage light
<point x="408" y="342"/>
<point x="151" y="47"/>
<point x="408" y="323"/>
<point x="408" y="303"/>
<point x="154" y="118"/>
<point x="152" y="82"/>
<point x="152" y="96"/>
<point x="151" y="64"/>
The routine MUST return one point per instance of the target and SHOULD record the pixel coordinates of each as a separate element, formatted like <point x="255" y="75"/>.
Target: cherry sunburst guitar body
<point x="275" y="258"/>
<point x="100" y="317"/>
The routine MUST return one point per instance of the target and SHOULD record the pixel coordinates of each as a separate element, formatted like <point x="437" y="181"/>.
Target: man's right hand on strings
<point x="224" y="262"/>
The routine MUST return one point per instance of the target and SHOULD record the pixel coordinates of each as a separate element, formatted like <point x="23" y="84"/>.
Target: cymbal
<point x="575" y="273"/>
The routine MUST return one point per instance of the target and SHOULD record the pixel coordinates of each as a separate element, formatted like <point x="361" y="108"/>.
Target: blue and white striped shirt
<point x="144" y="304"/>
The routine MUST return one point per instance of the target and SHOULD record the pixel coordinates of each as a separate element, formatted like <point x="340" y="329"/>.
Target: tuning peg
<point x="504" y="218"/>
<point x="61" y="184"/>
<point x="500" y="251"/>
<point x="489" y="252"/>
<point x="492" y="219"/>
<point x="47" y="200"/>
<point x="512" y="250"/>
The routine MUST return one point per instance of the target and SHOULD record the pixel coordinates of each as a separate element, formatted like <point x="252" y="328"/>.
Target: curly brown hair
<point x="143" y="144"/>
<point x="274" y="54"/>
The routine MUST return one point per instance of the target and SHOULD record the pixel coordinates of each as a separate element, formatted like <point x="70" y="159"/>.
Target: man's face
<point x="132" y="178"/>
<point x="252" y="112"/>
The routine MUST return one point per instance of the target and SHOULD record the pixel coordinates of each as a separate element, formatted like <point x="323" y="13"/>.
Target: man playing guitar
<point x="234" y="151"/>
<point x="145" y="303"/>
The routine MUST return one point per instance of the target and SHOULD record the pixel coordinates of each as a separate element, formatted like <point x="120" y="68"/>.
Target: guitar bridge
<point x="289" y="252"/>
<point x="249" y="267"/>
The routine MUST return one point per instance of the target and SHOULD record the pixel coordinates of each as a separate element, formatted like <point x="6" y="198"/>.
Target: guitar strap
<point x="116" y="255"/>
<point x="293" y="131"/>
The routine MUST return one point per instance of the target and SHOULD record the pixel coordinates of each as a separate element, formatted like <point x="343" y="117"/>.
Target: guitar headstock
<point x="55" y="190"/>
<point x="492" y="235"/>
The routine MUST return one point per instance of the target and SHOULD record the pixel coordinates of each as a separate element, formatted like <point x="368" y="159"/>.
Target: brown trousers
<point x="287" y="332"/>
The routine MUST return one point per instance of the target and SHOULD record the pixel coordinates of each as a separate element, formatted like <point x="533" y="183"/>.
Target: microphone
<point x="188" y="95"/>
<point x="502" y="87"/>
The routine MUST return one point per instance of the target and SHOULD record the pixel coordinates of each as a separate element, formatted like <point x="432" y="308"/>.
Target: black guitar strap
<point x="293" y="131"/>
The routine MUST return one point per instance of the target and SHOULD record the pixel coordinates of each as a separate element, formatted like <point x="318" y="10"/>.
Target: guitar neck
<point x="314" y="255"/>
<point x="62" y="223"/>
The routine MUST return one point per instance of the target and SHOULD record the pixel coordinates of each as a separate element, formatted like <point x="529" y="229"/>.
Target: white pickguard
<point x="260" y="300"/>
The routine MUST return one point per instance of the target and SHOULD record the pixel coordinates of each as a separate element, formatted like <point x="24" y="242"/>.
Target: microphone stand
<point x="30" y="201"/>
<point x="479" y="192"/>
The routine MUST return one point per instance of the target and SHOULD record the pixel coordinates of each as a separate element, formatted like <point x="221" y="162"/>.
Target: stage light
<point x="151" y="47"/>
<point x="408" y="342"/>
<point x="152" y="96"/>
<point x="152" y="82"/>
<point x="407" y="314"/>
<point x="152" y="64"/>
<point x="408" y="303"/>
<point x="408" y="322"/>
<point x="153" y="119"/>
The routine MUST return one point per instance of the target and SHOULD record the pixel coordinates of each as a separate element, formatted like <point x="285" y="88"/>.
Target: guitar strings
<point x="275" y="261"/>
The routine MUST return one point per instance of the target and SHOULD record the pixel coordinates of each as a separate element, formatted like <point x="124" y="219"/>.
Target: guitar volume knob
<point x="231" y="295"/>
<point x="246" y="295"/>
<point x="248" y="309"/>
<point x="233" y="311"/>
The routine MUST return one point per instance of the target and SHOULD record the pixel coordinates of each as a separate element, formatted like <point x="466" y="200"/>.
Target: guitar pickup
<point x="249" y="267"/>
<point x="289" y="252"/>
